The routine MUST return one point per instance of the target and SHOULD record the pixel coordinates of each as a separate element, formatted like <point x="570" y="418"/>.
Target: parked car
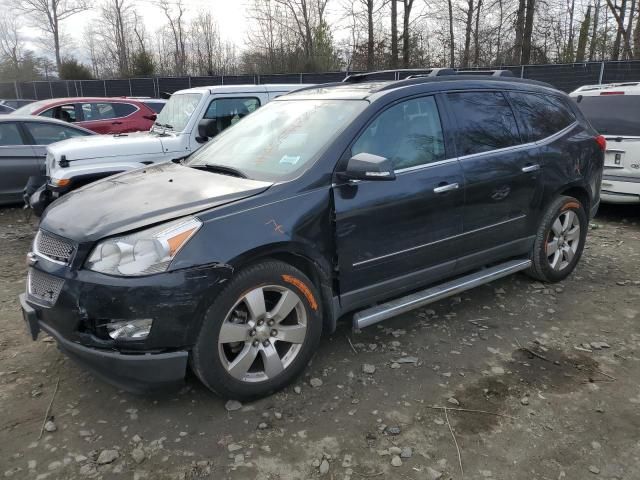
<point x="99" y="114"/>
<point x="4" y="109"/>
<point x="16" y="103"/>
<point x="614" y="110"/>
<point x="23" y="143"/>
<point x="187" y="121"/>
<point x="367" y="197"/>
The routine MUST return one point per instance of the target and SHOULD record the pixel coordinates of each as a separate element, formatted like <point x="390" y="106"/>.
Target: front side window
<point x="485" y="122"/>
<point x="229" y="111"/>
<point x="176" y="113"/>
<point x="66" y="113"/>
<point x="10" y="134"/>
<point x="46" y="133"/>
<point x="408" y="133"/>
<point x="280" y="139"/>
<point x="612" y="114"/>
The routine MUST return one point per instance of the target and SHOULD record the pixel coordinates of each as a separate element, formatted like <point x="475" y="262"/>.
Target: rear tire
<point x="260" y="332"/>
<point x="559" y="240"/>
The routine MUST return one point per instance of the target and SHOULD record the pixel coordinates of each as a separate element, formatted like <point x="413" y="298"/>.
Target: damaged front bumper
<point x="87" y="302"/>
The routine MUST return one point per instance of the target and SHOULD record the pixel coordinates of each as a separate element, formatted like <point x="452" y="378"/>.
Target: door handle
<point x="531" y="168"/>
<point x="446" y="188"/>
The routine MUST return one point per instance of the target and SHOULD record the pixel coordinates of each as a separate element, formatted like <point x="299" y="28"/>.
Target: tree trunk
<point x="370" y="43"/>
<point x="56" y="42"/>
<point x="582" y="38"/>
<point x="468" y="24"/>
<point x="517" y="45"/>
<point x="627" y="50"/>
<point x="408" y="5"/>
<point x="620" y="31"/>
<point x="476" y="36"/>
<point x="499" y="39"/>
<point x="394" y="34"/>
<point x="636" y="37"/>
<point x="452" y="43"/>
<point x="570" y="49"/>
<point x="594" y="36"/>
<point x="527" y="35"/>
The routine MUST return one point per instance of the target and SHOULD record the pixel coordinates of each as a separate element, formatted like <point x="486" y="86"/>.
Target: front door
<point x="502" y="173"/>
<point x="397" y="235"/>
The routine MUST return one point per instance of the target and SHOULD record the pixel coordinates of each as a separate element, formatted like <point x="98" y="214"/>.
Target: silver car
<point x="23" y="147"/>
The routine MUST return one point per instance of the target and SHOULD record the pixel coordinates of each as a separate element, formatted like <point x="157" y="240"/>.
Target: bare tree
<point x="174" y="13"/>
<point x="394" y="34"/>
<point x="47" y="16"/>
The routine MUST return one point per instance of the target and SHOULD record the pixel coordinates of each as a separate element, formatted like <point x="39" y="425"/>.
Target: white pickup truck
<point x="189" y="119"/>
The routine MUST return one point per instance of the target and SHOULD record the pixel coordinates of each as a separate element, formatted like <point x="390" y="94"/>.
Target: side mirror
<point x="207" y="128"/>
<point x="366" y="166"/>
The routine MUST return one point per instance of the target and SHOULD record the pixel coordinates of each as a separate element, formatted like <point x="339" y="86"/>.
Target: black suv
<point x="365" y="196"/>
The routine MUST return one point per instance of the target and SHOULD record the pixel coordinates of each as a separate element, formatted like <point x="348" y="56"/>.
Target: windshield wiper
<point x="223" y="169"/>
<point x="163" y="125"/>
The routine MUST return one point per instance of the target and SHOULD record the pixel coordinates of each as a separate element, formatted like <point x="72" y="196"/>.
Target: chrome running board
<point x="381" y="312"/>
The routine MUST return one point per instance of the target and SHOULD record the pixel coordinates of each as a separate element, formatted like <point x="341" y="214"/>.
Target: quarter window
<point x="485" y="122"/>
<point x="541" y="115"/>
<point x="9" y="134"/>
<point x="123" y="109"/>
<point x="409" y="134"/>
<point x="228" y="111"/>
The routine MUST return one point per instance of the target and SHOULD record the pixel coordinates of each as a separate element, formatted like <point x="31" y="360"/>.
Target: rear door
<point x="396" y="235"/>
<point x="503" y="181"/>
<point x="18" y="161"/>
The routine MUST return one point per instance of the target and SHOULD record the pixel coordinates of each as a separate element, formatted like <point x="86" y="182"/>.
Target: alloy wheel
<point x="563" y="240"/>
<point x="263" y="333"/>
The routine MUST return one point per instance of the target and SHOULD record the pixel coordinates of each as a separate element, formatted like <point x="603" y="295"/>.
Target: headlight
<point x="145" y="252"/>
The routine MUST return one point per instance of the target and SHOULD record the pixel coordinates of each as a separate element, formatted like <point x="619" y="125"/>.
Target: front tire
<point x="260" y="332"/>
<point x="559" y="240"/>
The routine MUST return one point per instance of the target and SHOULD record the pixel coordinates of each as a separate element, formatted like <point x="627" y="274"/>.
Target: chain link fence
<point x="566" y="77"/>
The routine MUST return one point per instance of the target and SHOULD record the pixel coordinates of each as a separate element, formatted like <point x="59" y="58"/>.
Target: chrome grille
<point x="44" y="287"/>
<point x="53" y="248"/>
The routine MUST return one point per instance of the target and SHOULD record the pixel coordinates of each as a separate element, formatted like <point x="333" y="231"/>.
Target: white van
<point x="614" y="110"/>
<point x="188" y="120"/>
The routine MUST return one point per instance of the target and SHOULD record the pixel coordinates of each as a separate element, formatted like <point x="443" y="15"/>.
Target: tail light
<point x="602" y="142"/>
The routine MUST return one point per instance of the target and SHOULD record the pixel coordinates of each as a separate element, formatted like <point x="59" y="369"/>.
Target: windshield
<point x="31" y="107"/>
<point x="177" y="111"/>
<point x="612" y="114"/>
<point x="280" y="138"/>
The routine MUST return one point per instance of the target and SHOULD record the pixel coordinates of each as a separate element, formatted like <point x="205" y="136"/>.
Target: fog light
<point x="130" y="329"/>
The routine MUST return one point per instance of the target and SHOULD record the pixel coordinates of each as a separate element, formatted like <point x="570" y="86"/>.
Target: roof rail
<point x="400" y="74"/>
<point x="492" y="73"/>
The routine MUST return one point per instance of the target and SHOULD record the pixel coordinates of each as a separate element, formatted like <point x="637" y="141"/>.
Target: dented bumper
<point x="87" y="302"/>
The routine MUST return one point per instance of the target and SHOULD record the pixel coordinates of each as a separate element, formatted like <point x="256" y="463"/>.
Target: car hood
<point x="142" y="197"/>
<point x="94" y="146"/>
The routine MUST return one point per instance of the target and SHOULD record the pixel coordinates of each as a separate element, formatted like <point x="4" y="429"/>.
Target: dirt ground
<point x="569" y="410"/>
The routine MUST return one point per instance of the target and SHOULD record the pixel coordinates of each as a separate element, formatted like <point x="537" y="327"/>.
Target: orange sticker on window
<point x="303" y="288"/>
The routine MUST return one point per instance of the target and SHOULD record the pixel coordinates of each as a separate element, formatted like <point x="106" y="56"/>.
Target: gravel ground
<point x="554" y="368"/>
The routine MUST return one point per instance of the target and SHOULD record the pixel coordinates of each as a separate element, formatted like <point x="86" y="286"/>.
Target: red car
<point x="99" y="114"/>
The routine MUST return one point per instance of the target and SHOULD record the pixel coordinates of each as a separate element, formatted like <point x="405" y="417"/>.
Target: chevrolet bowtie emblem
<point x="32" y="259"/>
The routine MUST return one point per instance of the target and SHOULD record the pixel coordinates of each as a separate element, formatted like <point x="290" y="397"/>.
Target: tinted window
<point x="408" y="134"/>
<point x="123" y="109"/>
<point x="155" y="106"/>
<point x="46" y="133"/>
<point x="228" y="111"/>
<point x="541" y="116"/>
<point x="485" y="122"/>
<point x="612" y="114"/>
<point x="9" y="134"/>
<point x="66" y="113"/>
<point x="5" y="109"/>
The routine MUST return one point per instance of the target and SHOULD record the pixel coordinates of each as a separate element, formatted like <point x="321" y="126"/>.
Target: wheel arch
<point x="314" y="266"/>
<point x="581" y="193"/>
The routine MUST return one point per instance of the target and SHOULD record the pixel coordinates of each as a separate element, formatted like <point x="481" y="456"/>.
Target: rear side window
<point x="612" y="114"/>
<point x="408" y="133"/>
<point x="9" y="134"/>
<point x="155" y="106"/>
<point x="46" y="133"/>
<point x="485" y="122"/>
<point x="541" y="115"/>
